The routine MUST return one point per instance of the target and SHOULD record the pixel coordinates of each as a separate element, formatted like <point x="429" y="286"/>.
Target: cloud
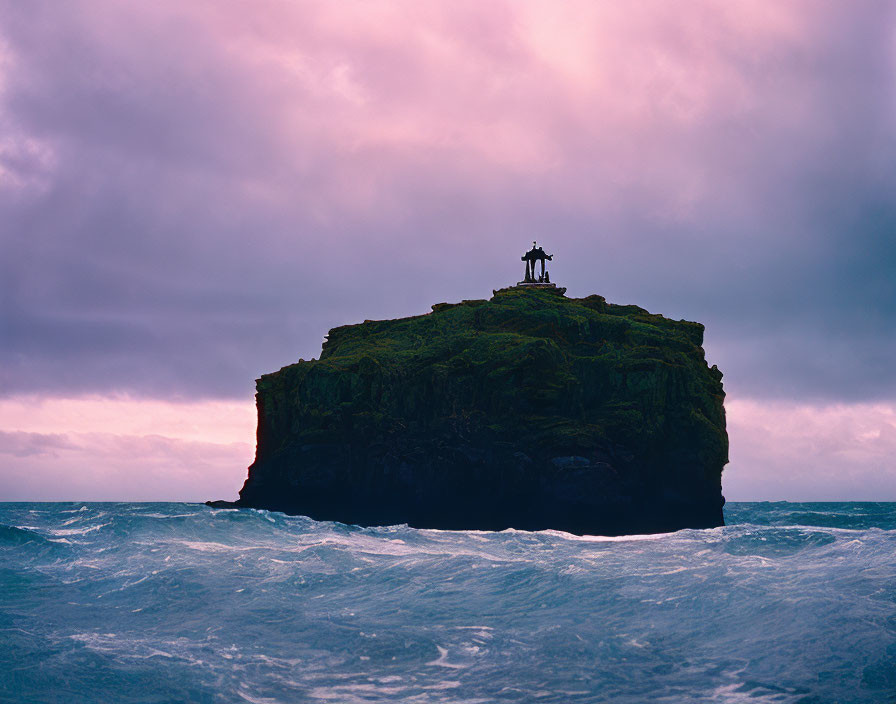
<point x="800" y="452"/>
<point x="220" y="422"/>
<point x="117" y="449"/>
<point x="192" y="194"/>
<point x="20" y="444"/>
<point x="102" y="467"/>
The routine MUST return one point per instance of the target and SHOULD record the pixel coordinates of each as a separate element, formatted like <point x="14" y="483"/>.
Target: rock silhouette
<point x="529" y="410"/>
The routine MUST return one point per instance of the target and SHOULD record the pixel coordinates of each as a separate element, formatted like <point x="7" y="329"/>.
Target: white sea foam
<point x="237" y="607"/>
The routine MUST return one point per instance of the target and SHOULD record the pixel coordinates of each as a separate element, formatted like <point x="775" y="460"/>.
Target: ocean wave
<point x="18" y="535"/>
<point x="177" y="602"/>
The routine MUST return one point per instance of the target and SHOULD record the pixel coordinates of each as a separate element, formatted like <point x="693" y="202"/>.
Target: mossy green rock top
<point x="529" y="410"/>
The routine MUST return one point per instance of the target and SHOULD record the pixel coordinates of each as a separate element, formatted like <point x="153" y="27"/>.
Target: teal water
<point x="791" y="602"/>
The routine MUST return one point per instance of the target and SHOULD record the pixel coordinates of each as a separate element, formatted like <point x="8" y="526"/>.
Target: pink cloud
<point x="369" y="98"/>
<point x="803" y="452"/>
<point x="123" y="449"/>
<point x="211" y="421"/>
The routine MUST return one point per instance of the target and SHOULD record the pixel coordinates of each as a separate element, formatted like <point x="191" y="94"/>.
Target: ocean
<point x="174" y="602"/>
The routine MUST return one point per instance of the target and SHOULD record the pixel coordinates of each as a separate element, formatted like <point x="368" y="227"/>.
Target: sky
<point x="192" y="194"/>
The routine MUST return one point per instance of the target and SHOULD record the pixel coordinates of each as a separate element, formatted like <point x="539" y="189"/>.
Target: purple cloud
<point x="193" y="194"/>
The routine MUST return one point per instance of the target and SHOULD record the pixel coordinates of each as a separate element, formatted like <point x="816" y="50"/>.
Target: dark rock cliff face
<point x="530" y="410"/>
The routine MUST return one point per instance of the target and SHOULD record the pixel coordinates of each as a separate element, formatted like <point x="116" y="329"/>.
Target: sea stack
<point x="529" y="410"/>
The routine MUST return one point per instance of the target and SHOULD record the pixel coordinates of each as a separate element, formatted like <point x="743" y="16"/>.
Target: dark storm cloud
<point x="192" y="196"/>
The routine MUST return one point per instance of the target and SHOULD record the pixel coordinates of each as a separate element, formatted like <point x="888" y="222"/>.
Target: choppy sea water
<point x="183" y="603"/>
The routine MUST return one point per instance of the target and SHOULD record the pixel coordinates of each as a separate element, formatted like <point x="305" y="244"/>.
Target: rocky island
<point x="529" y="410"/>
